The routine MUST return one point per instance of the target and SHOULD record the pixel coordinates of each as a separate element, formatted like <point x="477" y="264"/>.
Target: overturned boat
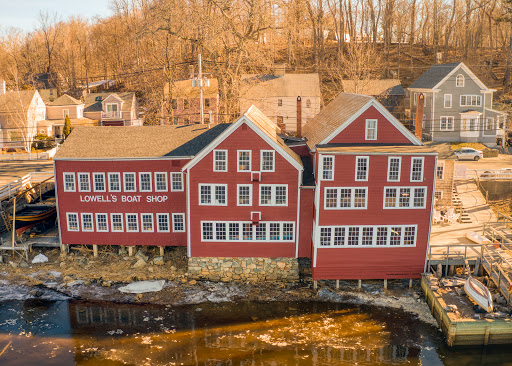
<point x="479" y="293"/>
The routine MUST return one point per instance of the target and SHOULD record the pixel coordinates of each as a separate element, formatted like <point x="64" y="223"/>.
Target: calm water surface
<point x="86" y="333"/>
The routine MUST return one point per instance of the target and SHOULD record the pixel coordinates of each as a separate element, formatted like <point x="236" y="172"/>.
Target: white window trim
<point x="411" y="198"/>
<point x="134" y="182"/>
<point x="157" y="223"/>
<point x="493" y="125"/>
<point x="447" y="118"/>
<point x="92" y="221"/>
<point x="64" y="181"/>
<point x="119" y="180"/>
<point x="150" y="182"/>
<point x="366" y="129"/>
<point x="64" y="113"/>
<point x="88" y="179"/>
<point x="174" y="222"/>
<point x="166" y="189"/>
<point x="181" y="179"/>
<point x="215" y="160"/>
<point x="322" y="165"/>
<point x="470" y="105"/>
<point x="98" y="225"/>
<point x="438" y="191"/>
<point x="112" y="222"/>
<point x="273" y="188"/>
<point x="128" y="226"/>
<point x="463" y="81"/>
<point x="440" y="163"/>
<point x="352" y="198"/>
<point x="238" y="194"/>
<point x="68" y="214"/>
<point x="422" y="167"/>
<point x="116" y="104"/>
<point x="367" y="158"/>
<point x="447" y="100"/>
<point x="104" y="182"/>
<point x="212" y="192"/>
<point x="142" y="222"/>
<point x="399" y="168"/>
<point x="253" y="240"/>
<point x="238" y="161"/>
<point x="273" y="161"/>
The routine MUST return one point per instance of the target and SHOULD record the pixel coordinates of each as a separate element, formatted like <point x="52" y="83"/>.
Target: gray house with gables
<point x="458" y="106"/>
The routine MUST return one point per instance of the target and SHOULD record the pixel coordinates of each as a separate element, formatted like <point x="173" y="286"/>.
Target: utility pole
<point x="201" y="101"/>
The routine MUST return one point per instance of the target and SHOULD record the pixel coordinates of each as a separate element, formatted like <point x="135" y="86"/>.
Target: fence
<point x="29" y="156"/>
<point x="10" y="190"/>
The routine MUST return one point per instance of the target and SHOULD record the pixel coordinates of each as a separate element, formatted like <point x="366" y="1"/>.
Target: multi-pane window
<point x="489" y="124"/>
<point x="129" y="182"/>
<point x="69" y="182"/>
<point x="470" y="100"/>
<point x="244" y="195"/>
<point x="367" y="236"/>
<point x="220" y="231"/>
<point x="213" y="194"/>
<point x="207" y="231"/>
<point x="371" y="129"/>
<point x="394" y="164"/>
<point x="162" y="220"/>
<point x="440" y="170"/>
<point x="244" y="160"/>
<point x="438" y="195"/>
<point x="84" y="184"/>
<point x="246" y="231"/>
<point x="346" y="197"/>
<point x="362" y="168"/>
<point x="72" y="219"/>
<point x="114" y="182"/>
<point x="147" y="222"/>
<point x="99" y="182"/>
<point x="101" y="222"/>
<point x="267" y="160"/>
<point x="327" y="167"/>
<point x="176" y="182"/>
<point x="405" y="197"/>
<point x="417" y="169"/>
<point x="87" y="224"/>
<point x="161" y="182"/>
<point x="178" y="222"/>
<point x="447" y="100"/>
<point x="116" y="220"/>
<point x="446" y="123"/>
<point x="234" y="231"/>
<point x="145" y="182"/>
<point x="459" y="81"/>
<point x="132" y="222"/>
<point x="273" y="195"/>
<point x="220" y="160"/>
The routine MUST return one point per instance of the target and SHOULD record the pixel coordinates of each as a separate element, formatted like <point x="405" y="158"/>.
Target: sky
<point x="24" y="13"/>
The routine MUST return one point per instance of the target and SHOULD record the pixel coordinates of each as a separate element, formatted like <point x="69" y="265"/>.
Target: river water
<point x="42" y="332"/>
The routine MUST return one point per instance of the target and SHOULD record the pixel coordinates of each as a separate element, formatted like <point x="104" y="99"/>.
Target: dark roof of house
<point x="64" y="100"/>
<point x="93" y="101"/>
<point x="433" y="76"/>
<point x="373" y="87"/>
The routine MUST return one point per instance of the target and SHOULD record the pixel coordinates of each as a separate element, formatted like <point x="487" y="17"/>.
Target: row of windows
<point x="244" y="160"/>
<point x="357" y="197"/>
<point x="447" y="123"/>
<point x="124" y="222"/>
<point x="269" y="194"/>
<point x="465" y="100"/>
<point x="148" y="182"/>
<point x="368" y="236"/>
<point x="247" y="231"/>
<point x="362" y="168"/>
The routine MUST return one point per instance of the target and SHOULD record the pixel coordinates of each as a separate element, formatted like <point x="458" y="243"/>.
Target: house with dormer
<point x="113" y="109"/>
<point x="457" y="106"/>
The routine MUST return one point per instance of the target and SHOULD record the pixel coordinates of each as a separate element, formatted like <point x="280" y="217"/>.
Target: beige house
<point x="56" y="113"/>
<point x="113" y="109"/>
<point x="279" y="96"/>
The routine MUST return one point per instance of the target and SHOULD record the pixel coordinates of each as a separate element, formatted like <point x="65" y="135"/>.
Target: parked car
<point x="467" y="153"/>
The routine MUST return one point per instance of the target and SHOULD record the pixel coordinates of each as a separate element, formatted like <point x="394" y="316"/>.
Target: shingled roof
<point x="65" y="100"/>
<point x="16" y="101"/>
<point x="93" y="101"/>
<point x="373" y="87"/>
<point x="288" y="85"/>
<point x="433" y="76"/>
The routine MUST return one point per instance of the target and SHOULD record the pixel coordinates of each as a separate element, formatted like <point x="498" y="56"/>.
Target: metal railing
<point x="493" y="174"/>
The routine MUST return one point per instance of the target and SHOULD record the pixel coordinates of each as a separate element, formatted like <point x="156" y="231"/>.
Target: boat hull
<point x="480" y="294"/>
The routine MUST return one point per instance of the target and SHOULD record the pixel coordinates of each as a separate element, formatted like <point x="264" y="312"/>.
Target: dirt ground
<point x="504" y="205"/>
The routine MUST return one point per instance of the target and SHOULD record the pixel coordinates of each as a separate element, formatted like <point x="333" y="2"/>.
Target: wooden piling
<point x="359" y="284"/>
<point x="385" y="284"/>
<point x="162" y="251"/>
<point x="315" y="284"/>
<point x="95" y="250"/>
<point x="337" y="284"/>
<point x="410" y="283"/>
<point x="130" y="250"/>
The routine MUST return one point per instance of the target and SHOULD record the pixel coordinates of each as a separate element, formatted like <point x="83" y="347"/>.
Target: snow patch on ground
<point x="213" y="292"/>
<point x="17" y="292"/>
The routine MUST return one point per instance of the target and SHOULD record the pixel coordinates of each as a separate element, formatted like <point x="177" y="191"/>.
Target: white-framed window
<point x="371" y="129"/>
<point x="145" y="182"/>
<point x="220" y="160"/>
<point x="132" y="222"/>
<point x="438" y="195"/>
<point x="459" y="81"/>
<point x="447" y="100"/>
<point x="417" y="169"/>
<point x="470" y="100"/>
<point x="367" y="236"/>
<point x="345" y="198"/>
<point x="116" y="222"/>
<point x="278" y="231"/>
<point x="101" y="222"/>
<point x="72" y="221"/>
<point x="87" y="222"/>
<point x="65" y="112"/>
<point x="394" y="168"/>
<point x="160" y="182"/>
<point x="213" y="194"/>
<point x="405" y="197"/>
<point x="178" y="222"/>
<point x="69" y="182"/>
<point x="84" y="182"/>
<point x="440" y="170"/>
<point x="114" y="182"/>
<point x="99" y="182"/>
<point x="244" y="195"/>
<point x="489" y="124"/>
<point x="273" y="195"/>
<point x="176" y="182"/>
<point x="327" y="167"/>
<point x="129" y="182"/>
<point x="362" y="163"/>
<point x="147" y="222"/>
<point x="162" y="220"/>
<point x="244" y="160"/>
<point x="414" y="99"/>
<point x="267" y="160"/>
<point x="446" y="123"/>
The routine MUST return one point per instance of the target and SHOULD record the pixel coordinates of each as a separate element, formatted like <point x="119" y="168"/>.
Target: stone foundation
<point x="227" y="269"/>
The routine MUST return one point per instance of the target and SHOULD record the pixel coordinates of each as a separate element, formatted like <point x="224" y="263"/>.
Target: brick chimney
<point x="418" y="126"/>
<point x="299" y="116"/>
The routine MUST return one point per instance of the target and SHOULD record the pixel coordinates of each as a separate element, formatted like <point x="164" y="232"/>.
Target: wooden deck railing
<point x="13" y="188"/>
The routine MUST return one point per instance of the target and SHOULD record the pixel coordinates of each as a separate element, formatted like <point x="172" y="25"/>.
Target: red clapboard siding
<point x="307" y="200"/>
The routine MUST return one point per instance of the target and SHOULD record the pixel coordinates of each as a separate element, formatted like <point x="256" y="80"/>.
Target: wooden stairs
<point x="459" y="208"/>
